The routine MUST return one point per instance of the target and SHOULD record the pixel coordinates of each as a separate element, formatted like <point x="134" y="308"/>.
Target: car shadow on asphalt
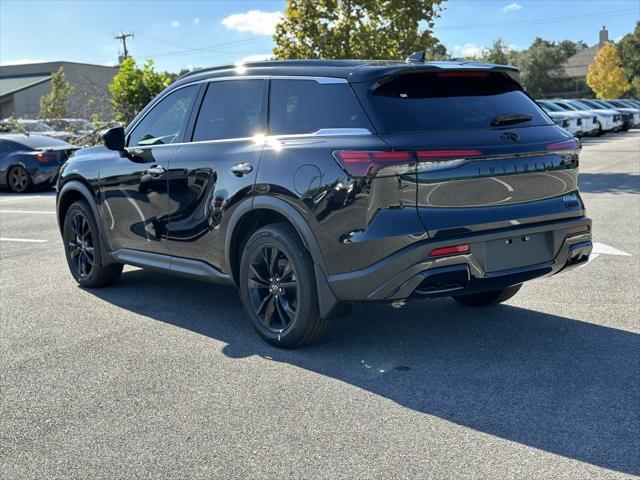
<point x="609" y="183"/>
<point x="554" y="383"/>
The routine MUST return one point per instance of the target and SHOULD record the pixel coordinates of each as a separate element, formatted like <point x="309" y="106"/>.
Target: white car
<point x="608" y="120"/>
<point x="573" y="122"/>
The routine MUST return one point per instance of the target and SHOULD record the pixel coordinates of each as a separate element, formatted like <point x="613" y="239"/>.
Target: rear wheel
<point x="488" y="298"/>
<point x="278" y="288"/>
<point x="83" y="249"/>
<point x="18" y="179"/>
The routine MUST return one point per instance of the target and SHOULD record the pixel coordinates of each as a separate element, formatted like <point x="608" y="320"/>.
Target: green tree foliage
<point x="500" y="53"/>
<point x="629" y="51"/>
<point x="541" y="65"/>
<point x="606" y="76"/>
<point x="133" y="87"/>
<point x="54" y="103"/>
<point x="364" y="29"/>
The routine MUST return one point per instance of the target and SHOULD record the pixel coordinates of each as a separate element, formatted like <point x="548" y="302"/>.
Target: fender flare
<point x="328" y="302"/>
<point x="77" y="186"/>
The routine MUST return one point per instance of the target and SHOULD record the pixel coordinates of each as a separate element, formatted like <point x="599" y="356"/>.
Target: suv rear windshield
<point x="450" y="100"/>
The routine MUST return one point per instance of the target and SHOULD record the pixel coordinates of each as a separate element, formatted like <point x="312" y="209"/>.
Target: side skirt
<point x="174" y="265"/>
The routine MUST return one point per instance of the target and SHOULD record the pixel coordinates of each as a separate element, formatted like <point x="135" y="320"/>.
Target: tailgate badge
<point x="509" y="136"/>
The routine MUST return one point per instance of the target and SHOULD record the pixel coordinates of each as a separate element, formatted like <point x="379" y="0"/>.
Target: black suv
<point x="311" y="185"/>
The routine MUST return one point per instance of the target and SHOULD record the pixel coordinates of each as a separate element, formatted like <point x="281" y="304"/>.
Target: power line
<point x="207" y="49"/>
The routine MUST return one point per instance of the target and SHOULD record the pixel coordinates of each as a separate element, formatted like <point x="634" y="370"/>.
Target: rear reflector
<point x="573" y="144"/>
<point x="576" y="230"/>
<point x="440" y="252"/>
<point x="463" y="74"/>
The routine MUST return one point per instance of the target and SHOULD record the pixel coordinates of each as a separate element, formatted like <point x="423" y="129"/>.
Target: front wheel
<point x="278" y="288"/>
<point x="83" y="249"/>
<point x="488" y="298"/>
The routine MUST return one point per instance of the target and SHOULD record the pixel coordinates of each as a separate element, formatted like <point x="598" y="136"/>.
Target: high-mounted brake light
<point x="468" y="74"/>
<point x="441" y="252"/>
<point x="564" y="145"/>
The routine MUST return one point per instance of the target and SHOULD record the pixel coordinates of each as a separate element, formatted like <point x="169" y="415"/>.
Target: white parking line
<point x="28" y="211"/>
<point x="25" y="240"/>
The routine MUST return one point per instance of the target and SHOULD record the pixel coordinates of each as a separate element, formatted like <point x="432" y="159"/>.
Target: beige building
<point x="21" y="87"/>
<point x="577" y="65"/>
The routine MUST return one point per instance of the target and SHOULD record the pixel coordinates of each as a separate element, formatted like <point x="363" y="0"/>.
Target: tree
<point x="500" y="53"/>
<point x="364" y="29"/>
<point x="133" y="87"/>
<point x="606" y="76"/>
<point x="54" y="103"/>
<point x="629" y="51"/>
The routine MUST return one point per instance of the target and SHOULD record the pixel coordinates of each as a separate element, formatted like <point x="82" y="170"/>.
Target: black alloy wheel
<point x="273" y="288"/>
<point x="81" y="246"/>
<point x="278" y="288"/>
<point x="18" y="179"/>
<point x="83" y="249"/>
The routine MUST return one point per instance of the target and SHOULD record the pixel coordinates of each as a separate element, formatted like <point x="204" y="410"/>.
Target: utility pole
<point x="125" y="53"/>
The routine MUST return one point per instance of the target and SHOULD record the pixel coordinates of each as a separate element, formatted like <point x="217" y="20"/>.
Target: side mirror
<point x="114" y="139"/>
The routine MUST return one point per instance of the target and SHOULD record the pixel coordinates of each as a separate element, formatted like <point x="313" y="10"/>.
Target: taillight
<point x="365" y="163"/>
<point x="444" y="251"/>
<point x="446" y="154"/>
<point x="572" y="145"/>
<point x="44" y="157"/>
<point x="360" y="163"/>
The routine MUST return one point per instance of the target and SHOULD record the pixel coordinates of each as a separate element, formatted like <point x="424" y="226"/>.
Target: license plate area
<point x="518" y="251"/>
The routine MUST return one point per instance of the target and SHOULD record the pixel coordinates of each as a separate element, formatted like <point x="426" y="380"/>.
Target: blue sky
<point x="179" y="34"/>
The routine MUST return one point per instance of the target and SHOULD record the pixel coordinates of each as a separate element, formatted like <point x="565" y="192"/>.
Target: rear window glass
<point x="306" y="106"/>
<point x="451" y="101"/>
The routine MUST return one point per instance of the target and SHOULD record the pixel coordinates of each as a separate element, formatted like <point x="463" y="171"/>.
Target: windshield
<point x="36" y="127"/>
<point x="575" y="105"/>
<point x="551" y="106"/>
<point x="448" y="100"/>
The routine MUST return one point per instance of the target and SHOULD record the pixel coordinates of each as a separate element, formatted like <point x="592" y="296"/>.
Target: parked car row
<point x="67" y="129"/>
<point x="589" y="117"/>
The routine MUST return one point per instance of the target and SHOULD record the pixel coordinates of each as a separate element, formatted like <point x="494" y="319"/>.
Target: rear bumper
<point x="412" y="273"/>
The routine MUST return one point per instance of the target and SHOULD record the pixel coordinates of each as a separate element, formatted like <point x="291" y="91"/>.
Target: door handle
<point x="156" y="170"/>
<point x="241" y="169"/>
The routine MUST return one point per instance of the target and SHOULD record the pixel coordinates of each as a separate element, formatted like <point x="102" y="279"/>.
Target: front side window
<point x="306" y="106"/>
<point x="167" y="121"/>
<point x="231" y="109"/>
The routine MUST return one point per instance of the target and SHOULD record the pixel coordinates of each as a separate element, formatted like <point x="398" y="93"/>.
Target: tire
<point x="83" y="249"/>
<point x="485" y="299"/>
<point x="278" y="288"/>
<point x="18" y="179"/>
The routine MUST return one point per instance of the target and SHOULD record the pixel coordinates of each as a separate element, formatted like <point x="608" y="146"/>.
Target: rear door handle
<point x="156" y="170"/>
<point x="241" y="169"/>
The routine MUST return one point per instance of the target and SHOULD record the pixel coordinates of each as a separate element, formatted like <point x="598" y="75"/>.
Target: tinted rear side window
<point x="447" y="101"/>
<point x="231" y="109"/>
<point x="306" y="106"/>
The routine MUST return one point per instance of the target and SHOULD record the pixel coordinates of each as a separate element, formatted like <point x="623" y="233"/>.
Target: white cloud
<point x="512" y="7"/>
<point x="258" y="57"/>
<point x="175" y="23"/>
<point x="254" y="21"/>
<point x="21" y="61"/>
<point x="196" y="22"/>
<point x="468" y="50"/>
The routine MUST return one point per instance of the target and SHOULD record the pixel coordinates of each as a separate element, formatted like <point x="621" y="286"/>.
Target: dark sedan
<point x="28" y="161"/>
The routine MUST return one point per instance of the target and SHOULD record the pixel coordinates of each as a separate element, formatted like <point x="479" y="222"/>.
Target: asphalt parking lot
<point x="161" y="377"/>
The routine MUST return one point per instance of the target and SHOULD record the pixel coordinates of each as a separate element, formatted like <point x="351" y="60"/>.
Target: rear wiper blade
<point x="510" y="118"/>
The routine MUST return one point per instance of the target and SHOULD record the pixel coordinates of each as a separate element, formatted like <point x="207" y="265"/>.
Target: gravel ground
<point x="162" y="377"/>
